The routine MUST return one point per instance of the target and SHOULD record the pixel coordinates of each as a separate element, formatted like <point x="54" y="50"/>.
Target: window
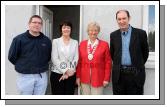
<point x="151" y="28"/>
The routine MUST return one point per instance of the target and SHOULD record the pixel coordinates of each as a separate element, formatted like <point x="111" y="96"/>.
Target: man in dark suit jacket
<point x="129" y="51"/>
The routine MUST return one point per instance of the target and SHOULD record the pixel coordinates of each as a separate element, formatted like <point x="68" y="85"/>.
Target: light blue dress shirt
<point x="126" y="59"/>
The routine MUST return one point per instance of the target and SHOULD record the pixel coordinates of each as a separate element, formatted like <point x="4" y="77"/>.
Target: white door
<point x="47" y="29"/>
<point x="47" y="16"/>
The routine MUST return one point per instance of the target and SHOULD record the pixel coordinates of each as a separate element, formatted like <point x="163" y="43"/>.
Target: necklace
<point x="91" y="51"/>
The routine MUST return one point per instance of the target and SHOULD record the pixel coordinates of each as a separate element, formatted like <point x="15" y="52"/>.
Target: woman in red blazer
<point x="94" y="66"/>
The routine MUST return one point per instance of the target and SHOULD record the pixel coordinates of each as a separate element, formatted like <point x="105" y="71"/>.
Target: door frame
<point x="39" y="12"/>
<point x="80" y="23"/>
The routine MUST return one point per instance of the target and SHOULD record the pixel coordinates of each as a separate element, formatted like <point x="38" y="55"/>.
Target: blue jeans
<point x="32" y="84"/>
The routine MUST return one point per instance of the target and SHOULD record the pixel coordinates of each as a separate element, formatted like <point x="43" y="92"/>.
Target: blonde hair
<point x="93" y="24"/>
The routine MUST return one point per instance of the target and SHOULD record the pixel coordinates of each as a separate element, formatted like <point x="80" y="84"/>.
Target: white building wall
<point x="16" y="22"/>
<point x="105" y="16"/>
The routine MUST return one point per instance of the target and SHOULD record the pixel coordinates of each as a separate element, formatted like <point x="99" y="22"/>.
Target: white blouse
<point x="63" y="56"/>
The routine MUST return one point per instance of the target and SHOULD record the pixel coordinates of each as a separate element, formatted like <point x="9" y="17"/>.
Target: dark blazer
<point x="138" y="51"/>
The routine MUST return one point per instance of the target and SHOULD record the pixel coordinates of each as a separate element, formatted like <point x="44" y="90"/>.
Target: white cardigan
<point x="60" y="62"/>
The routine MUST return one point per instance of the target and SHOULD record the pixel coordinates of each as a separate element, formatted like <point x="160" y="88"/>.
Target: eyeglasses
<point x="37" y="23"/>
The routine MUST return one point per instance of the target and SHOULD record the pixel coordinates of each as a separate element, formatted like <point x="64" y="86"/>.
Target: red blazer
<point x="100" y="64"/>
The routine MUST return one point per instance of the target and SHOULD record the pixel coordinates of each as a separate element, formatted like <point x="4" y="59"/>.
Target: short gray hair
<point x="93" y="24"/>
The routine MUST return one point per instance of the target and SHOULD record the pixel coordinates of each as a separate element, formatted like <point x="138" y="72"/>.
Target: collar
<point x="126" y="32"/>
<point x="95" y="43"/>
<point x="31" y="36"/>
<point x="61" y="39"/>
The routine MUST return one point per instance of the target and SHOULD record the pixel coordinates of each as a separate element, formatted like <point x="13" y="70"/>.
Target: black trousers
<point x="127" y="85"/>
<point x="64" y="87"/>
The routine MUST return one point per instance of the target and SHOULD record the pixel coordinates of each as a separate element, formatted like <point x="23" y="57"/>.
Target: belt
<point x="126" y="66"/>
<point x="128" y="69"/>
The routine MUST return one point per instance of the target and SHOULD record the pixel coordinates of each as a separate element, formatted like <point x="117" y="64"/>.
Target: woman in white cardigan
<point x="64" y="58"/>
